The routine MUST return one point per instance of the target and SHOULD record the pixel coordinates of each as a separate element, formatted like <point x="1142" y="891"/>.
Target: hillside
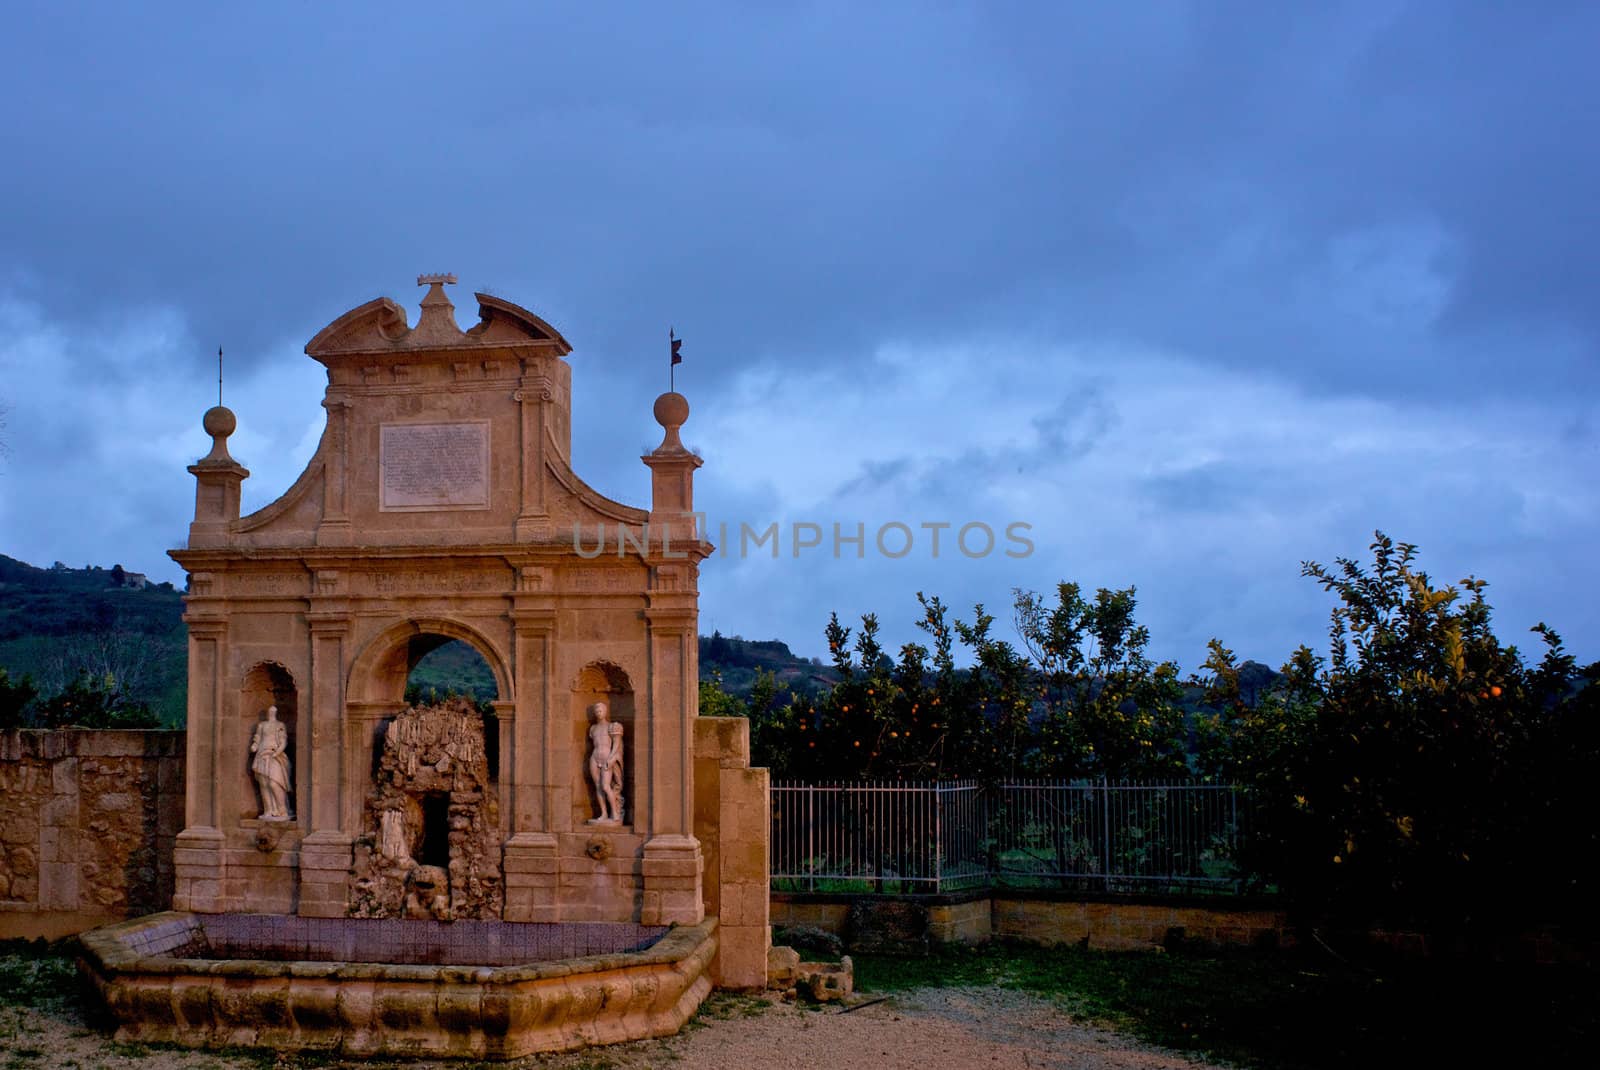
<point x="736" y="661"/>
<point x="58" y="621"/>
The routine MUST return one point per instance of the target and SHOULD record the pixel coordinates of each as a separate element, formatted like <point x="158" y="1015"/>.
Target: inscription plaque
<point x="434" y="466"/>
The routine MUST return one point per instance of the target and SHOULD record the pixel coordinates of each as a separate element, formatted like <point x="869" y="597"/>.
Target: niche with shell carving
<point x="268" y="684"/>
<point x="601" y="681"/>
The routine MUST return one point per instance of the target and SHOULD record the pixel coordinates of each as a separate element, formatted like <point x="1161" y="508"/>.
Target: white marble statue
<point x="393" y="840"/>
<point x="605" y="765"/>
<point x="270" y="745"/>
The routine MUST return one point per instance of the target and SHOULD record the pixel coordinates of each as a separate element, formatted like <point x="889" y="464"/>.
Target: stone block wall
<point x="732" y="821"/>
<point x="87" y="824"/>
<point x="1042" y="918"/>
<point x="1136" y="926"/>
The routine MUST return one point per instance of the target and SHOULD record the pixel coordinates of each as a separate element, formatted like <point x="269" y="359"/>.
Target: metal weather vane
<point x="677" y="358"/>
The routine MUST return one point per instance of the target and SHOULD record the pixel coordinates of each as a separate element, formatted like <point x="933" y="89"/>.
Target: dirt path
<point x="928" y="1029"/>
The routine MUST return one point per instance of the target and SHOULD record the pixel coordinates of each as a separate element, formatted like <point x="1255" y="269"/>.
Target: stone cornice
<point x="358" y="558"/>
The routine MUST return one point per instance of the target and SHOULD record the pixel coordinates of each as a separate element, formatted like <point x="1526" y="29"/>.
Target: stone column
<point x="532" y="854"/>
<point x="325" y="852"/>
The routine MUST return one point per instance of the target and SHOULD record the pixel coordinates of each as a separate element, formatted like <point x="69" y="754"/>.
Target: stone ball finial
<point x="672" y="409"/>
<point x="219" y="422"/>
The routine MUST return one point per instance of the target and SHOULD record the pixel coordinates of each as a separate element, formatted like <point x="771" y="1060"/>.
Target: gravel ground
<point x="927" y="1029"/>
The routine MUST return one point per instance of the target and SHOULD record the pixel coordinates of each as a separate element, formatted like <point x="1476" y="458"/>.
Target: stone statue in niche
<point x="270" y="766"/>
<point x="605" y="765"/>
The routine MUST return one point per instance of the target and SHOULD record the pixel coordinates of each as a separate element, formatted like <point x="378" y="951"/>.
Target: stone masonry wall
<point x="732" y="821"/>
<point x="87" y="822"/>
<point x="1105" y="925"/>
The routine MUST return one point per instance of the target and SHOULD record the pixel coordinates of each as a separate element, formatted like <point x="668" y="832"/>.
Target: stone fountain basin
<point x="469" y="988"/>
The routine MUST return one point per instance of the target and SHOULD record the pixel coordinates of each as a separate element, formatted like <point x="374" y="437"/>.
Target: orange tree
<point x="1080" y="699"/>
<point x="1422" y="774"/>
<point x="1104" y="707"/>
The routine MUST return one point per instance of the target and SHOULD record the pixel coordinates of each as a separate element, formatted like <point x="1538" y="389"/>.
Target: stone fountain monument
<point x="441" y="504"/>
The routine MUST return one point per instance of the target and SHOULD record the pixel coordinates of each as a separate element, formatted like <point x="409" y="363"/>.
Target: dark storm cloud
<point x="808" y="181"/>
<point x="1286" y="203"/>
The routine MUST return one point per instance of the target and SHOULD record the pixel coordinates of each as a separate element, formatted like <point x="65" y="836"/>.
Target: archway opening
<point x="442" y="667"/>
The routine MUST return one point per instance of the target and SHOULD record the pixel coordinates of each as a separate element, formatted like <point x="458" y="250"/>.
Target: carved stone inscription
<point x="434" y="466"/>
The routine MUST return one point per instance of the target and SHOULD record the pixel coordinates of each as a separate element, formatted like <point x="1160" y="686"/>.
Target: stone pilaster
<point x="199" y="860"/>
<point x="672" y="864"/>
<point x="532" y="853"/>
<point x="325" y="852"/>
<point x="335" y="527"/>
<point x="527" y="763"/>
<point x="534" y="397"/>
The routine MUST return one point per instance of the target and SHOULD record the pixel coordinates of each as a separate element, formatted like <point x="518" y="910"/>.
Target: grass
<point x="37" y="974"/>
<point x="1288" y="1010"/>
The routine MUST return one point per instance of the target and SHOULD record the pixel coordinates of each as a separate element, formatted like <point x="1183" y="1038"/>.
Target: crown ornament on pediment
<point x="379" y="328"/>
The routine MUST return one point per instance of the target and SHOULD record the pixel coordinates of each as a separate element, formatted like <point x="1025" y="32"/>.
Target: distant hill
<point x="737" y="661"/>
<point x="57" y="621"/>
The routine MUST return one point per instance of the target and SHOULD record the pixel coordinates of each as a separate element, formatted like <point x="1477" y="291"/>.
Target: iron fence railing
<point x="903" y="837"/>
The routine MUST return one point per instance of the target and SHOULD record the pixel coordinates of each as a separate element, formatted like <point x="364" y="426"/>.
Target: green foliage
<point x="1414" y="775"/>
<point x="884" y="717"/>
<point x="1082" y="699"/>
<point x="91" y="701"/>
<point x="35" y="973"/>
<point x="1108" y="710"/>
<point x="16" y="696"/>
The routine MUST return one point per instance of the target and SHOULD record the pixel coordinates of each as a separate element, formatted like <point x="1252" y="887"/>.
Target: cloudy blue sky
<point x="1198" y="291"/>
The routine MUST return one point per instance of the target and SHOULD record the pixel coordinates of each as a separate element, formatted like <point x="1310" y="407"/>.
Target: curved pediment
<point x="380" y="327"/>
<point x="439" y="437"/>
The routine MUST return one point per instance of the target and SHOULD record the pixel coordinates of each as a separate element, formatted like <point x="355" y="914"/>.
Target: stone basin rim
<point x="106" y="950"/>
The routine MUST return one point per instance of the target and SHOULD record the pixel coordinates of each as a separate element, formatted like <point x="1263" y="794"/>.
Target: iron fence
<point x="904" y="837"/>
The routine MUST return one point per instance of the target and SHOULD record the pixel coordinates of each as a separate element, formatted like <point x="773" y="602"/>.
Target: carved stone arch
<point x="602" y="681"/>
<point x="378" y="673"/>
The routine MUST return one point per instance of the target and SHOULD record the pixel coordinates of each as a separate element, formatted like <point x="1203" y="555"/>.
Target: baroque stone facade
<point x="441" y="505"/>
